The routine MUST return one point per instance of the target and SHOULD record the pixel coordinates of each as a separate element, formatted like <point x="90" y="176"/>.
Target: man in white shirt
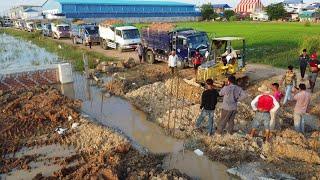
<point x="172" y="61"/>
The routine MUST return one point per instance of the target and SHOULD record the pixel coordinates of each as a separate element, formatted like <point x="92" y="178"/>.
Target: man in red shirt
<point x="263" y="104"/>
<point x="196" y="60"/>
<point x="314" y="69"/>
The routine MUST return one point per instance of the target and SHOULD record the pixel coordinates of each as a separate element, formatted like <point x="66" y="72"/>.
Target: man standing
<point x="172" y="61"/>
<point x="140" y="51"/>
<point x="208" y="105"/>
<point x="314" y="69"/>
<point x="231" y="95"/>
<point x="303" y="99"/>
<point x="196" y="60"/>
<point x="303" y="60"/>
<point x="290" y="81"/>
<point x="263" y="105"/>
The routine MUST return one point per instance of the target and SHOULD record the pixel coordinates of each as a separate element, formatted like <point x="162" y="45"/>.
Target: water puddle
<point x="41" y="163"/>
<point x="196" y="166"/>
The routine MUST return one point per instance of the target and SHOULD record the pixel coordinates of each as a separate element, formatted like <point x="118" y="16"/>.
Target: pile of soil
<point x="29" y="119"/>
<point x="162" y="26"/>
<point x="110" y="22"/>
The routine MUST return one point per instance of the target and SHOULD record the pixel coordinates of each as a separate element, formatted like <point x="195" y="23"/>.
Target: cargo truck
<point x="185" y="42"/>
<point x="81" y="33"/>
<point x="60" y="31"/>
<point x="118" y="36"/>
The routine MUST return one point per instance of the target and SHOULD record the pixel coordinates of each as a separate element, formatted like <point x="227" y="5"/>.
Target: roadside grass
<point x="274" y="43"/>
<point x="67" y="52"/>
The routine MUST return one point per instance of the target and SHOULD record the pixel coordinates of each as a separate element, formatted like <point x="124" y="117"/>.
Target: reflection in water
<point x="118" y="112"/>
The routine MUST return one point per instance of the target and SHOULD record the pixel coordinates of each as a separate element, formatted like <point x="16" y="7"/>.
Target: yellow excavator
<point x="226" y="57"/>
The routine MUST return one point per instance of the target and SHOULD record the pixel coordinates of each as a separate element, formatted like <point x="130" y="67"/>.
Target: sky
<point x="7" y="4"/>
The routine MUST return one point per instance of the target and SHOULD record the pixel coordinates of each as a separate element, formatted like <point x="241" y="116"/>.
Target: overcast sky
<point x="6" y="4"/>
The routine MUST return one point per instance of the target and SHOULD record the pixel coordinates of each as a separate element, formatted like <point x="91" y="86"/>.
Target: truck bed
<point x="158" y="40"/>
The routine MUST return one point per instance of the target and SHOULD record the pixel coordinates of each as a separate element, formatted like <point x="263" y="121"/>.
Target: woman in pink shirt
<point x="277" y="94"/>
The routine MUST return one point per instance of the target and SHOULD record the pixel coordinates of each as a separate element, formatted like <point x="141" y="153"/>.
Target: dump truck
<point x="81" y="33"/>
<point x="60" y="30"/>
<point x="160" y="42"/>
<point x="117" y="35"/>
<point x="227" y="57"/>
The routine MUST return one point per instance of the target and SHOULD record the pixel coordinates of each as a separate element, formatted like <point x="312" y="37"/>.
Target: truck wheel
<point x="119" y="48"/>
<point x="104" y="45"/>
<point x="150" y="57"/>
<point x="181" y="64"/>
<point x="74" y="41"/>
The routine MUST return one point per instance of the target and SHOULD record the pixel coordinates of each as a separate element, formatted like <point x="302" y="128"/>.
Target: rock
<point x="130" y="63"/>
<point x="109" y="174"/>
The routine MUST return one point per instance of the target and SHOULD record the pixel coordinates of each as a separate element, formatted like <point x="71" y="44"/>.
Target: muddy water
<point x="119" y="113"/>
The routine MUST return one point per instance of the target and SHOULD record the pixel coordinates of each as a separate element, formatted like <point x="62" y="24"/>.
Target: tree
<point x="276" y="11"/>
<point x="228" y="14"/>
<point x="207" y="12"/>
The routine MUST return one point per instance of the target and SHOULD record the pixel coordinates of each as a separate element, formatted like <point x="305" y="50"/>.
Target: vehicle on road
<point x="30" y="26"/>
<point x="185" y="42"/>
<point x="46" y="30"/>
<point x="60" y="31"/>
<point x="227" y="57"/>
<point x="83" y="33"/>
<point x="119" y="36"/>
<point x="6" y="22"/>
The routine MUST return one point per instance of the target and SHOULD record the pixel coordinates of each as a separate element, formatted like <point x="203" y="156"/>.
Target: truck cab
<point x="60" y="31"/>
<point x="119" y="36"/>
<point x="30" y="26"/>
<point x="46" y="30"/>
<point x="83" y="33"/>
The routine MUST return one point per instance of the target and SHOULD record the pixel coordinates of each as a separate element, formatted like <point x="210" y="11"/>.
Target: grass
<point x="272" y="43"/>
<point x="66" y="52"/>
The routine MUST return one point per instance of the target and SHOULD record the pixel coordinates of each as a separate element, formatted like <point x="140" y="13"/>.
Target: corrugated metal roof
<point x="124" y="2"/>
<point x="220" y="6"/>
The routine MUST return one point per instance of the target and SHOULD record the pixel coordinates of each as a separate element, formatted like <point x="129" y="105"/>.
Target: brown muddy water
<point x="119" y="113"/>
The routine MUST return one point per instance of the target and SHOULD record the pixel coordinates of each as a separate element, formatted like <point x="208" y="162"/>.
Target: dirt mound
<point x="110" y="22"/>
<point x="291" y="145"/>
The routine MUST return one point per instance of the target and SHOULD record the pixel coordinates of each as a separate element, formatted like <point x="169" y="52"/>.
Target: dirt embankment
<point x="177" y="112"/>
<point x="28" y="120"/>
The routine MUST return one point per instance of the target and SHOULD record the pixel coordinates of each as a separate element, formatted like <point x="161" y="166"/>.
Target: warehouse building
<point x="128" y="10"/>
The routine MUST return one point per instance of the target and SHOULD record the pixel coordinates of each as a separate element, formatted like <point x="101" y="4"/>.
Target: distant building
<point x="25" y="11"/>
<point x="220" y="8"/>
<point x="309" y="16"/>
<point x="128" y="10"/>
<point x="249" y="6"/>
<point x="259" y="16"/>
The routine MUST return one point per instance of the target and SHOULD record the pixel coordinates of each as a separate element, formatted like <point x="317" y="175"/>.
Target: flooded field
<point x="16" y="53"/>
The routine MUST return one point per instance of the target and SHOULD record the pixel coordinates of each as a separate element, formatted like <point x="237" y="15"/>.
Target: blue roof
<point x="292" y="1"/>
<point x="220" y="6"/>
<point x="30" y="10"/>
<point x="124" y="2"/>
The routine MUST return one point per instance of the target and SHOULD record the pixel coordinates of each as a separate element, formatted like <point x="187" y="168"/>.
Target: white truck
<point x="119" y="36"/>
<point x="30" y="26"/>
<point x="60" y="31"/>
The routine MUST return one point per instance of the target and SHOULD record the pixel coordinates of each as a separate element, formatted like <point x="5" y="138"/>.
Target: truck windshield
<point x="63" y="28"/>
<point x="131" y="34"/>
<point x="92" y="30"/>
<point x="198" y="40"/>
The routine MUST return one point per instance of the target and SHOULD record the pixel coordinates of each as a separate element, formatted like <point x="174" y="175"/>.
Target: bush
<point x="307" y="24"/>
<point x="233" y="18"/>
<point x="311" y="43"/>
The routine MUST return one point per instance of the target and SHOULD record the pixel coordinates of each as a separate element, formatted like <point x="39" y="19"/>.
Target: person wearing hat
<point x="263" y="105"/>
<point x="303" y="61"/>
<point x="314" y="69"/>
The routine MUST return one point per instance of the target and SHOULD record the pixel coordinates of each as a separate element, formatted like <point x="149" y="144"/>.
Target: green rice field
<point x="272" y="43"/>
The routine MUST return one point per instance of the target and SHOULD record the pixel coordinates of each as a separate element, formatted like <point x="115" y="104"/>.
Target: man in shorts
<point x="314" y="70"/>
<point x="263" y="105"/>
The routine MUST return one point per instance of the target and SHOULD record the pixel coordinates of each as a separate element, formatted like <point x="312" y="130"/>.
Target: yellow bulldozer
<point x="224" y="60"/>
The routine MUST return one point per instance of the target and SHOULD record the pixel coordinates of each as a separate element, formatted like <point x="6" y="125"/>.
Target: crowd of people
<point x="266" y="104"/>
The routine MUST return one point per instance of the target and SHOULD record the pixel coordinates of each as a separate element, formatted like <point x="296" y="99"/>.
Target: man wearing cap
<point x="303" y="61"/>
<point x="314" y="69"/>
<point x="263" y="105"/>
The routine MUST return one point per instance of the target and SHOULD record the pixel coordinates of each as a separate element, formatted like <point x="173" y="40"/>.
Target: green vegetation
<point x="207" y="12"/>
<point x="276" y="11"/>
<point x="65" y="51"/>
<point x="277" y="44"/>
